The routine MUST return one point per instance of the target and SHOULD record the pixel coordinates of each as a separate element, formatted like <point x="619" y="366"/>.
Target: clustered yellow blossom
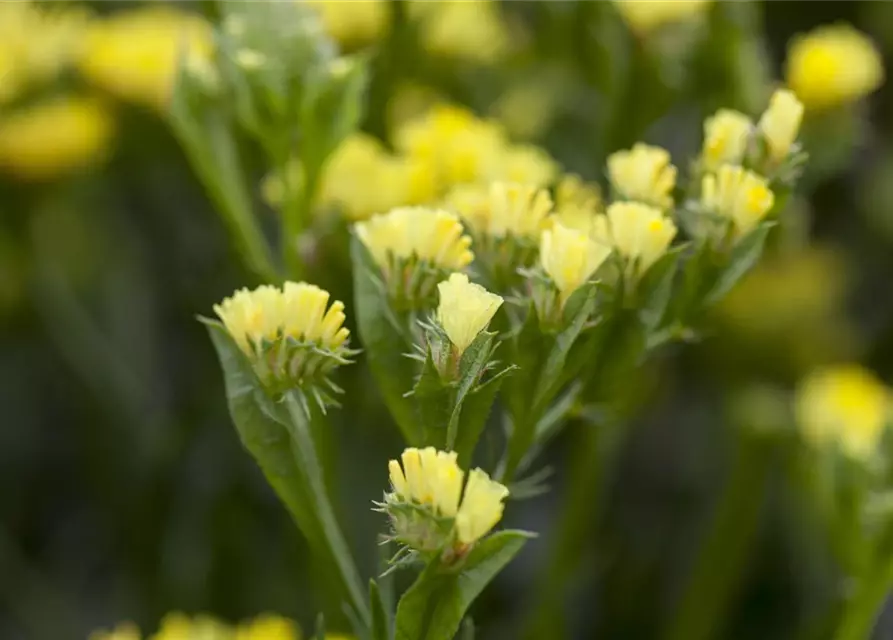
<point x="643" y="174"/>
<point x="739" y="195"/>
<point x="833" y="65"/>
<point x="780" y="123"/>
<point x="135" y="54"/>
<point x="570" y="257"/>
<point x="433" y="479"/>
<point x="639" y="233"/>
<point x="503" y="209"/>
<point x="645" y="16"/>
<point x="36" y="43"/>
<point x="297" y="310"/>
<point x="353" y="23"/>
<point x="54" y="136"/>
<point x="178" y="626"/>
<point x="726" y="136"/>
<point x="434" y="236"/>
<point x="845" y="406"/>
<point x="465" y="309"/>
<point x="466" y="30"/>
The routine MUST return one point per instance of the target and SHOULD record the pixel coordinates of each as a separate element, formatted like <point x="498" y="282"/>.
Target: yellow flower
<point x="504" y="209"/>
<point x="268" y="627"/>
<point x="780" y="123"/>
<point x="298" y="311"/>
<point x="135" y="54"/>
<point x="468" y="30"/>
<point x="124" y="631"/>
<point x="433" y="479"/>
<point x="430" y="235"/>
<point x="526" y="164"/>
<point x="52" y="137"/>
<point x="644" y="174"/>
<point x="846" y="405"/>
<point x="465" y="309"/>
<point x="577" y="203"/>
<point x="644" y="16"/>
<point x="726" y="135"/>
<point x="353" y="23"/>
<point x="570" y="258"/>
<point x="832" y="65"/>
<point x="639" y="233"/>
<point x="177" y="626"/>
<point x="739" y="195"/>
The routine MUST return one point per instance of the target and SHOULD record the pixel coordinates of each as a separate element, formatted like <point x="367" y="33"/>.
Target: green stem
<point x="520" y="442"/>
<point x="305" y="449"/>
<point x="861" y="611"/>
<point x="717" y="571"/>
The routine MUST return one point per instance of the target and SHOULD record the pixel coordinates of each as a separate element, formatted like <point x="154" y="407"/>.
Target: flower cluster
<point x="177" y="626"/>
<point x="429" y="510"/>
<point x="292" y="335"/>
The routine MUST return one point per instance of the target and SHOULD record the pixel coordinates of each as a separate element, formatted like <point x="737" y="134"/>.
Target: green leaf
<point x="434" y="606"/>
<point x="473" y="415"/>
<point x="380" y="618"/>
<point x="742" y="258"/>
<point x="320" y="633"/>
<point x="434" y="401"/>
<point x="386" y="341"/>
<point x="656" y="287"/>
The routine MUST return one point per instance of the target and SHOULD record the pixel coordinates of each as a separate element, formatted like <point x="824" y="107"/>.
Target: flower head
<point x="267" y="627"/>
<point x="726" y="135"/>
<point x="429" y="235"/>
<point x="353" y="23"/>
<point x="427" y="505"/>
<point x="739" y="195"/>
<point x="465" y="309"/>
<point x="53" y="137"/>
<point x="178" y="626"/>
<point x="526" y="164"/>
<point x="639" y="233"/>
<point x="832" y="65"/>
<point x="844" y="405"/>
<point x="472" y="30"/>
<point x="123" y="631"/>
<point x="508" y="209"/>
<point x="643" y="174"/>
<point x="780" y="123"/>
<point x="577" y="203"/>
<point x="645" y="16"/>
<point x="570" y="258"/>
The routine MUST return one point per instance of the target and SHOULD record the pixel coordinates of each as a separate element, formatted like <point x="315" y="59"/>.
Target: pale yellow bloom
<point x="482" y="507"/>
<point x="726" y="134"/>
<point x="298" y="310"/>
<point x="433" y="479"/>
<point x="52" y="137"/>
<point x="739" y="195"/>
<point x="177" y="626"/>
<point x="570" y="258"/>
<point x="526" y="164"/>
<point x="268" y="627"/>
<point x="644" y="16"/>
<point x="354" y="22"/>
<point x="832" y="65"/>
<point x="643" y="174"/>
<point x="468" y="30"/>
<point x="124" y="631"/>
<point x="432" y="235"/>
<point x="780" y="123"/>
<point x="135" y="54"/>
<point x="639" y="233"/>
<point x="465" y="309"/>
<point x="846" y="405"/>
<point x="577" y="203"/>
<point x="503" y="209"/>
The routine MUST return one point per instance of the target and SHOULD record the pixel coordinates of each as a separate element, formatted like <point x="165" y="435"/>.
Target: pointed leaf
<point x="656" y="287"/>
<point x="741" y="260"/>
<point x="380" y="619"/>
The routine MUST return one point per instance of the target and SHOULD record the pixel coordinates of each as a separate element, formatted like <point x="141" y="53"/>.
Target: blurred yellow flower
<point x="433" y="479"/>
<point x="503" y="209"/>
<point x="52" y="137"/>
<point x="639" y="233"/>
<point x="297" y="311"/>
<point x="467" y="30"/>
<point x="780" y="123"/>
<point x="832" y="65"/>
<point x="525" y="164"/>
<point x="643" y="174"/>
<point x="570" y="258"/>
<point x="134" y="54"/>
<point x="577" y="203"/>
<point x="465" y="309"/>
<point x="430" y="235"/>
<point x="844" y="405"/>
<point x="353" y="23"/>
<point x="36" y="42"/>
<point x="124" y="631"/>
<point x="726" y="134"/>
<point x="737" y="194"/>
<point x="178" y="626"/>
<point x="644" y="16"/>
<point x="268" y="627"/>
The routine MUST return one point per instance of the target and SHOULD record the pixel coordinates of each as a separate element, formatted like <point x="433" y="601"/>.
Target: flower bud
<point x="570" y="258"/>
<point x="726" y="135"/>
<point x="639" y="233"/>
<point x="465" y="309"/>
<point x="643" y="174"/>
<point x="738" y="195"/>
<point x="780" y="124"/>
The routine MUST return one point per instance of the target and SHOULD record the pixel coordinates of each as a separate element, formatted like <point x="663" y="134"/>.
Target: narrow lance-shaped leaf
<point x="741" y="260"/>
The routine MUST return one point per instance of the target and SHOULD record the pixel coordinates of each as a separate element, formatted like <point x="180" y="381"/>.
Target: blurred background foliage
<point x="124" y="492"/>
